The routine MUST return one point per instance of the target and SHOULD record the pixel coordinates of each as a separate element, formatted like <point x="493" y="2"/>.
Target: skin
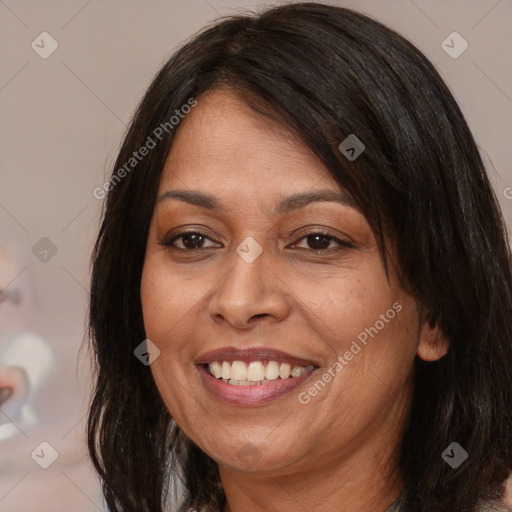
<point x="335" y="452"/>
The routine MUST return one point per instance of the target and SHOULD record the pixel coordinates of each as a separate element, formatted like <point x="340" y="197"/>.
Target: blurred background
<point x="71" y="75"/>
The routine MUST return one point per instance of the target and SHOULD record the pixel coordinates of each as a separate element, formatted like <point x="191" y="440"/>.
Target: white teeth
<point x="297" y="371"/>
<point x="226" y="370"/>
<point x="256" y="371"/>
<point x="284" y="371"/>
<point x="272" y="370"/>
<point x="239" y="371"/>
<point x="216" y="369"/>
<point x="239" y="382"/>
<point x="245" y="374"/>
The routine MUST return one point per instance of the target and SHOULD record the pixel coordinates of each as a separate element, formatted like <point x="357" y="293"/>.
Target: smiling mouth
<point x="253" y="376"/>
<point x="254" y="373"/>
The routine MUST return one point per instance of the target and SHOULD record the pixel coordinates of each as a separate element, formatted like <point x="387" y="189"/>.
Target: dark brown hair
<point x="325" y="72"/>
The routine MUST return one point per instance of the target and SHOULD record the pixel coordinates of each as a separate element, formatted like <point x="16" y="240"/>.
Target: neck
<point x="300" y="492"/>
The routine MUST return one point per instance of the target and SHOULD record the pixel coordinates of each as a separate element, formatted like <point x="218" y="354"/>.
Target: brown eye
<point x="320" y="241"/>
<point x="190" y="240"/>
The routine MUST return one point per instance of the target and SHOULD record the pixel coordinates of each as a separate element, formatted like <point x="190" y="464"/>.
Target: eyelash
<point x="343" y="244"/>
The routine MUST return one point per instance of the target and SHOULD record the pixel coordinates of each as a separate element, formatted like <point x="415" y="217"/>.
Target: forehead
<point x="223" y="142"/>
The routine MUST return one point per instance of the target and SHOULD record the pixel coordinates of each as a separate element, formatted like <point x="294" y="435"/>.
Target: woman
<point x="301" y="289"/>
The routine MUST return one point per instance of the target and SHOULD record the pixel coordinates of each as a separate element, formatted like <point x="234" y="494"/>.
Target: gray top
<point x="398" y="504"/>
<point x="488" y="506"/>
<point x="395" y="506"/>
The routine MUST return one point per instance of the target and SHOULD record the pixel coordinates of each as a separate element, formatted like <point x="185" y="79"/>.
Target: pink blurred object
<point x="14" y="390"/>
<point x="25" y="363"/>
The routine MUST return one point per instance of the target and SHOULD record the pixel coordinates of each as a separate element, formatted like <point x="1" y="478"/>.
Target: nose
<point x="250" y="291"/>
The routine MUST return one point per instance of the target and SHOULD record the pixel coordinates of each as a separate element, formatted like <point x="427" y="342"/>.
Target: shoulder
<point x="483" y="506"/>
<point x="492" y="506"/>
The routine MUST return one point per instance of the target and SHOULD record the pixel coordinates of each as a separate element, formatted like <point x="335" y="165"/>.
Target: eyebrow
<point x="290" y="203"/>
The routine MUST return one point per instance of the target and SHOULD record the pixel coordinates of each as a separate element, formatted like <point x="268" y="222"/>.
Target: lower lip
<point x="250" y="394"/>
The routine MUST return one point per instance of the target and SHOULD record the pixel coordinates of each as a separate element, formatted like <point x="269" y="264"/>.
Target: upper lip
<point x="252" y="354"/>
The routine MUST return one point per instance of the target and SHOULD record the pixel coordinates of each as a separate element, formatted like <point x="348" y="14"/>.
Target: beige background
<point x="62" y="119"/>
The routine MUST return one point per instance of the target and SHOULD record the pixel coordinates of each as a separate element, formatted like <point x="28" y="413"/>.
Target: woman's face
<point x="245" y="265"/>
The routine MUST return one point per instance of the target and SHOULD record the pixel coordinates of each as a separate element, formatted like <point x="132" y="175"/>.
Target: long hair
<point x="325" y="72"/>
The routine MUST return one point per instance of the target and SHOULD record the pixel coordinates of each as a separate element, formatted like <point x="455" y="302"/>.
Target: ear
<point x="433" y="344"/>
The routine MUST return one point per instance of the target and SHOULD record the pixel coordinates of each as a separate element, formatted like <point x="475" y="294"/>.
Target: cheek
<point x="157" y="305"/>
<point x="167" y="303"/>
<point x="371" y="324"/>
<point x="345" y="306"/>
<point x="168" y="313"/>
